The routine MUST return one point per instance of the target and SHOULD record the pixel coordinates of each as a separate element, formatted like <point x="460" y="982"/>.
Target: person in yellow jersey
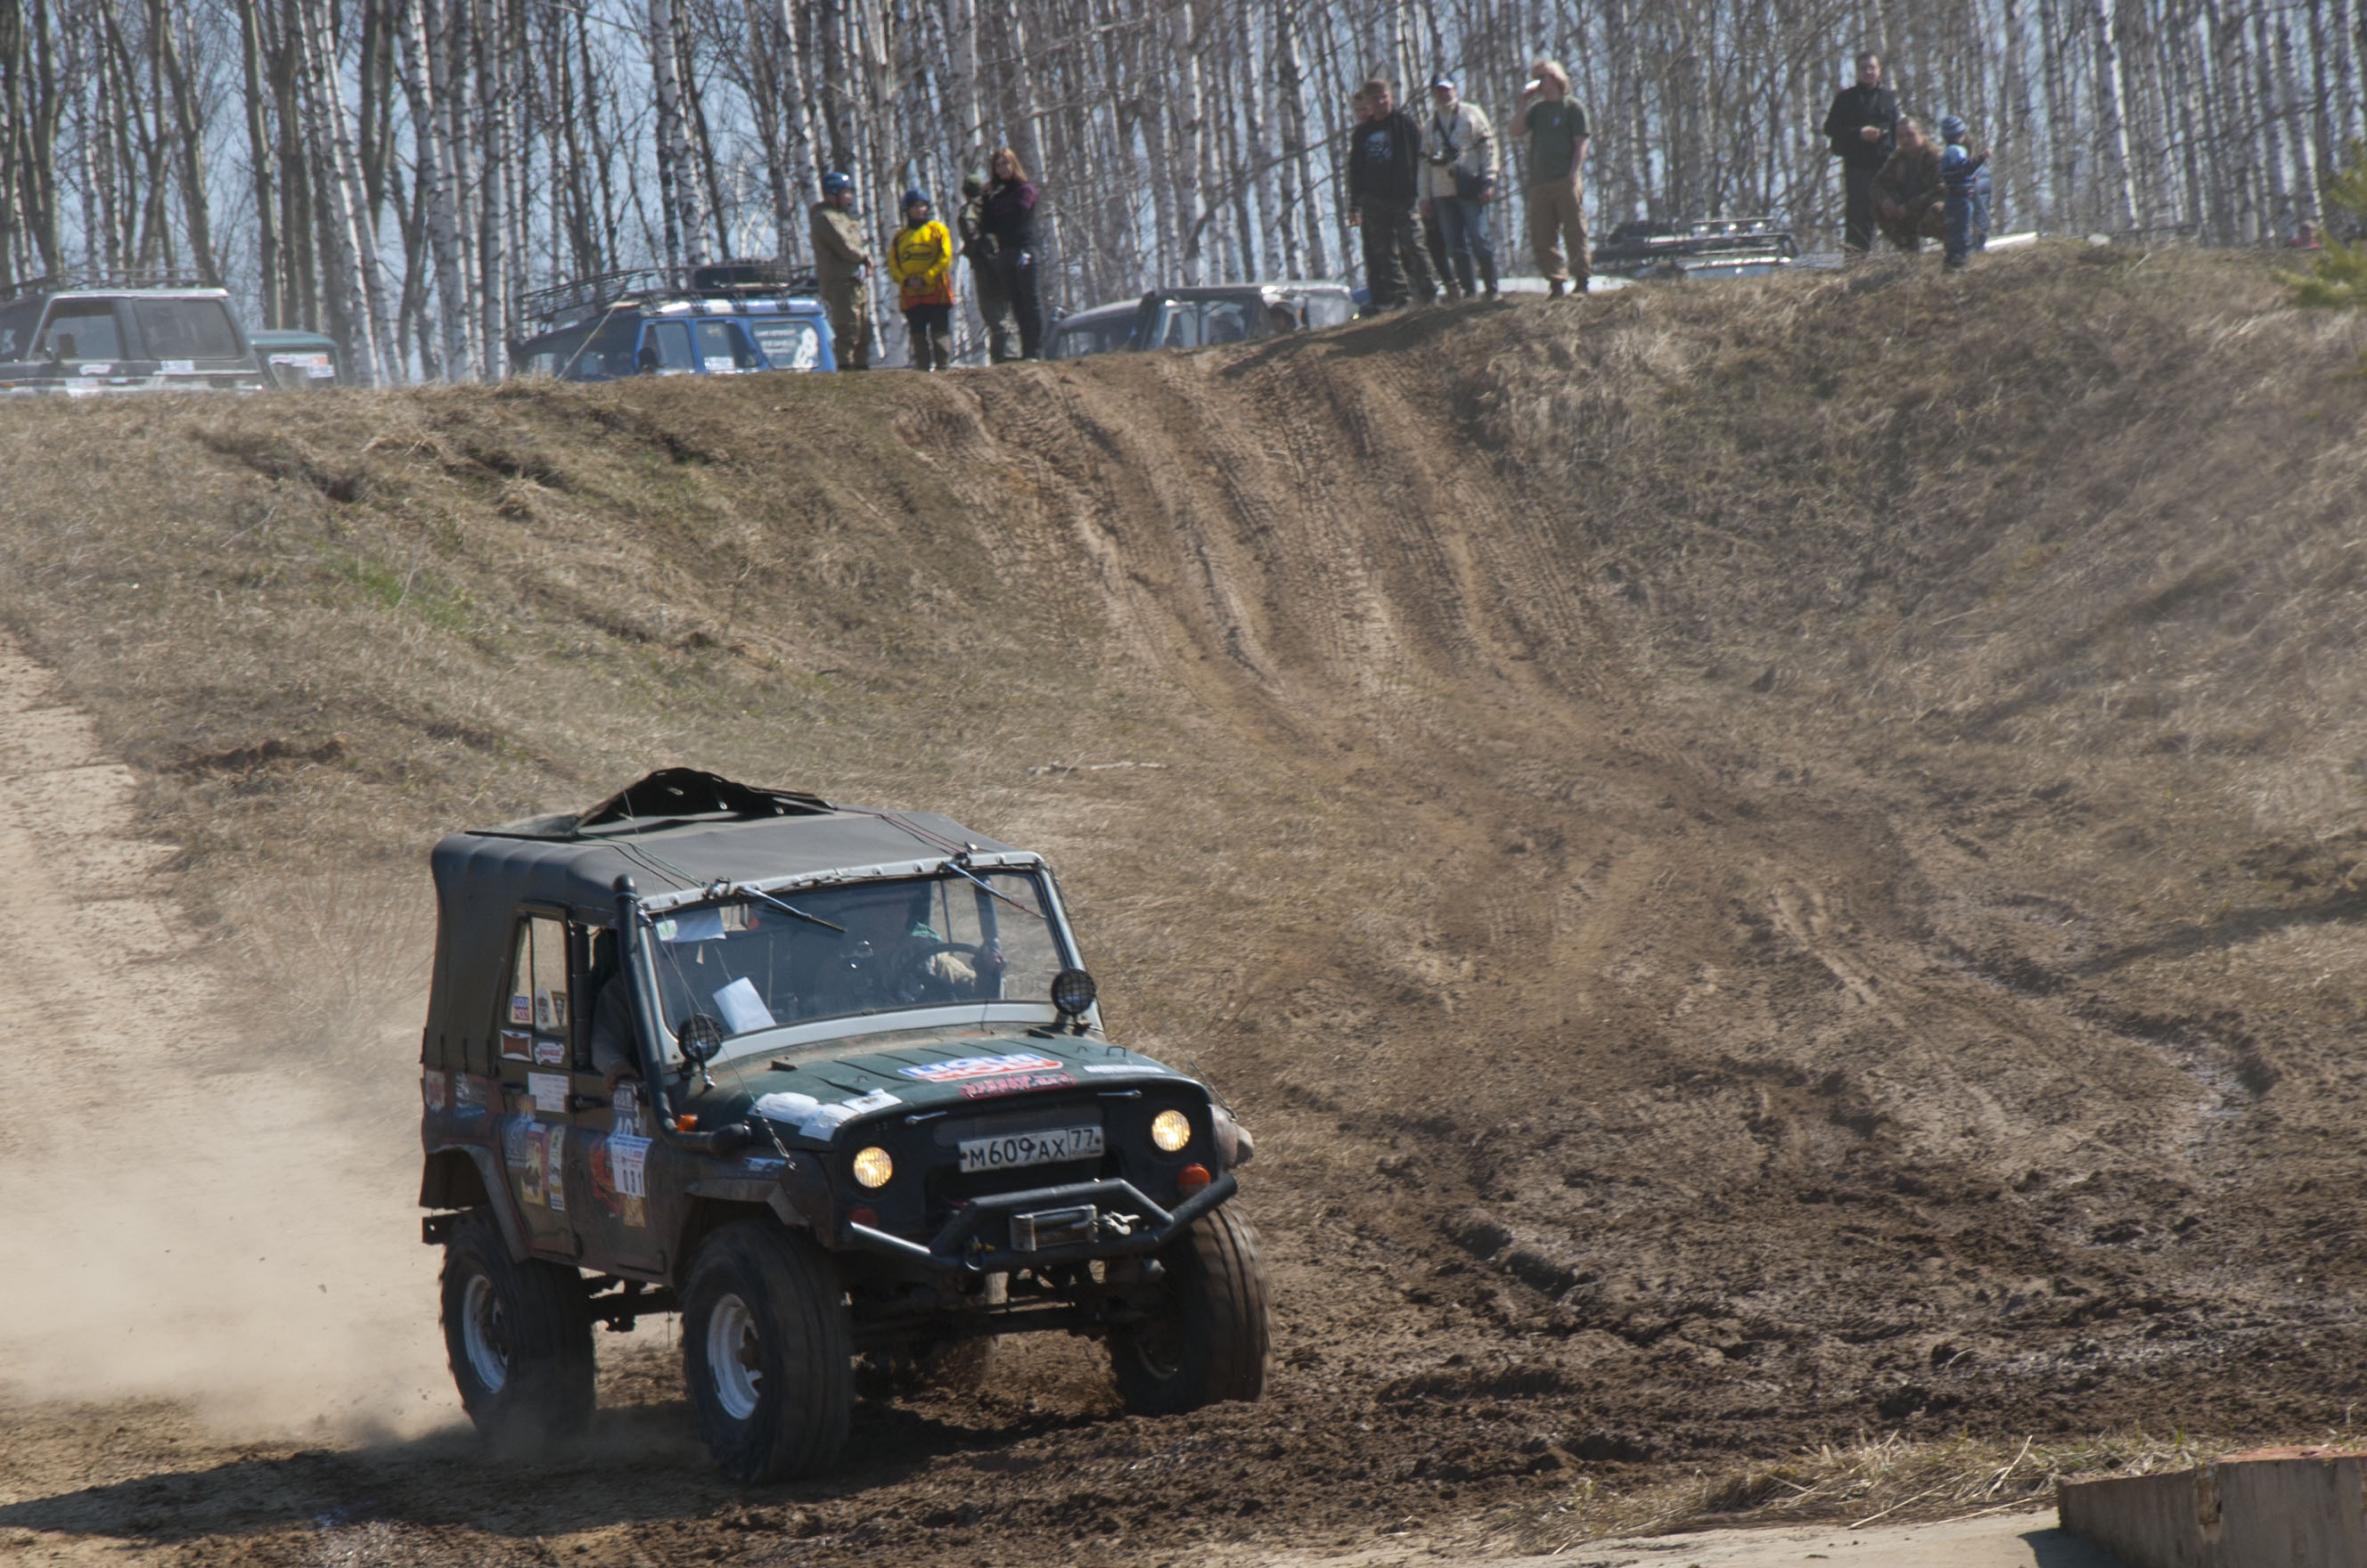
<point x="921" y="260"/>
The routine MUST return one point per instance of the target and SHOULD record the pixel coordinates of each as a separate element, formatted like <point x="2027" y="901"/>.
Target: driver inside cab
<point x="899" y="955"/>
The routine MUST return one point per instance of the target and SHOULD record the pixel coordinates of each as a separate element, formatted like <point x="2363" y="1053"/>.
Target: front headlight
<point x="1171" y="1130"/>
<point x="874" y="1167"/>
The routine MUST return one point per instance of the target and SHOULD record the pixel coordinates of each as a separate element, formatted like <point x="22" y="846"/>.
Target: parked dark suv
<point x="81" y="340"/>
<point x="1711" y="247"/>
<point x="824" y="1080"/>
<point x="1203" y="316"/>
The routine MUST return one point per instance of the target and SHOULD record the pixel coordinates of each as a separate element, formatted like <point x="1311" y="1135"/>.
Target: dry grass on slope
<point x="2067" y="489"/>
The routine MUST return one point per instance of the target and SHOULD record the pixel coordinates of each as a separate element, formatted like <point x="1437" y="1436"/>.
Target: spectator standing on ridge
<point x="840" y="262"/>
<point x="1858" y="127"/>
<point x="1964" y="182"/>
<point x="921" y="260"/>
<point x="1384" y="188"/>
<point x="978" y="248"/>
<point x="1459" y="146"/>
<point x="1907" y="193"/>
<point x="1554" y="128"/>
<point x="1008" y="215"/>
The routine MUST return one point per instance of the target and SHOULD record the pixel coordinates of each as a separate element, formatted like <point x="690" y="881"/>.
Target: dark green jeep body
<point x="703" y="1022"/>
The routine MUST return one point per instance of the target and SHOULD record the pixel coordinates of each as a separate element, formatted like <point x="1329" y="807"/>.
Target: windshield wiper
<point x="1006" y="897"/>
<point x="792" y="909"/>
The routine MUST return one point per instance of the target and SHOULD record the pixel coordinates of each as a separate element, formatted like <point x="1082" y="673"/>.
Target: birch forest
<point x="399" y="172"/>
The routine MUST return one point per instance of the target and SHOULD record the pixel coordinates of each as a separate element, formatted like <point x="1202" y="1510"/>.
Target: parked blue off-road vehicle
<point x="730" y="318"/>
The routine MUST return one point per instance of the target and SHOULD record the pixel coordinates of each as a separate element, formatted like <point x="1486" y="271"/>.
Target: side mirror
<point x="700" y="1036"/>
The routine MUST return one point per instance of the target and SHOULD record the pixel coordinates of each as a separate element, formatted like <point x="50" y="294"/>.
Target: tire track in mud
<point x="1387" y="614"/>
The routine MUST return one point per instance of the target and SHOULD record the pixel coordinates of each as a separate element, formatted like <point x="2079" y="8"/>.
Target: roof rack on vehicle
<point x="1699" y="237"/>
<point x="579" y="298"/>
<point x="62" y="283"/>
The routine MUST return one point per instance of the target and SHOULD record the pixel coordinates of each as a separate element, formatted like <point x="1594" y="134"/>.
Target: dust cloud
<point x="188" y="1213"/>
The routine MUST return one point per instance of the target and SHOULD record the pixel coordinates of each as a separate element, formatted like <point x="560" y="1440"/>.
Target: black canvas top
<point x="675" y="832"/>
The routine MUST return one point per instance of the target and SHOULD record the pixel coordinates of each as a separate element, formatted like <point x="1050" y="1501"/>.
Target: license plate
<point x="1048" y="1145"/>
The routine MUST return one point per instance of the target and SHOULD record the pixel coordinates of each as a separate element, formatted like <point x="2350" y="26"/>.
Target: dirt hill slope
<point x="1768" y="863"/>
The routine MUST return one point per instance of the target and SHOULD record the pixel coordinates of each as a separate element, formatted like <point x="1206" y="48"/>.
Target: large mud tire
<point x="519" y="1338"/>
<point x="1211" y="1342"/>
<point x="767" y="1355"/>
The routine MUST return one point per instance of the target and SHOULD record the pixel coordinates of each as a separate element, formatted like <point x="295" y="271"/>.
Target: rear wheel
<point x="1209" y="1335"/>
<point x="519" y="1338"/>
<point x="766" y="1354"/>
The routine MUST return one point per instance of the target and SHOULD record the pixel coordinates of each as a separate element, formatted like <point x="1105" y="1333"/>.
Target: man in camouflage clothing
<point x="840" y="259"/>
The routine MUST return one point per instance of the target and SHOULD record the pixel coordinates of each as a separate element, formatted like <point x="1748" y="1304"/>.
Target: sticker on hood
<point x="978" y="1067"/>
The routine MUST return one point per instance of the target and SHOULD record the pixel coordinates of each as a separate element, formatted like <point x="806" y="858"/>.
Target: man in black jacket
<point x="1383" y="190"/>
<point x="1859" y="127"/>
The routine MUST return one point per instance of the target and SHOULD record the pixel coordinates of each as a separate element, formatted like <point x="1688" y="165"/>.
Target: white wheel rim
<point x="733" y="1358"/>
<point x="484" y="1334"/>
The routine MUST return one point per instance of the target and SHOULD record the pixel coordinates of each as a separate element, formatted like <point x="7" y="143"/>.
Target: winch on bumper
<point x="1075" y="1222"/>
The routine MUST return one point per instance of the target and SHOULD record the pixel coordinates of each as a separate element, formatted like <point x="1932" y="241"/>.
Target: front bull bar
<point x="957" y="1250"/>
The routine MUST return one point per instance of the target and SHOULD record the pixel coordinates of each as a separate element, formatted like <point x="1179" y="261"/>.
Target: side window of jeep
<point x="535" y="1011"/>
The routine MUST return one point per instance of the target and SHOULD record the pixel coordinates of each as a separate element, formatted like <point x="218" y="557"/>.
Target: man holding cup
<point x="1552" y="128"/>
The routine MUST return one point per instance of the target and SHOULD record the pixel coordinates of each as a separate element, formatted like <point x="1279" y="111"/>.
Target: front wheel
<point x="519" y="1338"/>
<point x="766" y="1353"/>
<point x="1210" y="1333"/>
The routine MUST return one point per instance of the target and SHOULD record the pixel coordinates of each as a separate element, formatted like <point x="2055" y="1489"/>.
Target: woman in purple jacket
<point x="1010" y="218"/>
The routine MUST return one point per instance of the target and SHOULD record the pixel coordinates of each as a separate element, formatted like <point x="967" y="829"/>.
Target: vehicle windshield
<point x="185" y="329"/>
<point x="920" y="943"/>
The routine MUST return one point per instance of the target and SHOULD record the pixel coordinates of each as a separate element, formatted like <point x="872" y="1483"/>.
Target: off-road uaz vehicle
<point x="827" y="1081"/>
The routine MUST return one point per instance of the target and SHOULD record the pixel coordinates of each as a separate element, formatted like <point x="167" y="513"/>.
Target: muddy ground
<point x="1771" y="868"/>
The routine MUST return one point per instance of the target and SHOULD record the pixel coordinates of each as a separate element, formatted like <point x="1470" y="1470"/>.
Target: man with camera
<point x="1385" y="173"/>
<point x="1459" y="146"/>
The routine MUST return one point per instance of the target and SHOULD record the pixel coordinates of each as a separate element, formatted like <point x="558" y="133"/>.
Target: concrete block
<point x="2268" y="1508"/>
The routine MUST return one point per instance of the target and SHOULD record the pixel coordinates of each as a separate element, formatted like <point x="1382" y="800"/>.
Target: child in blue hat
<point x="1964" y="179"/>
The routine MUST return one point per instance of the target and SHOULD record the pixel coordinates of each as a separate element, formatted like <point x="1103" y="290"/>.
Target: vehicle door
<point x="535" y="1057"/>
<point x="790" y="342"/>
<point x="665" y="349"/>
<point x="609" y="1144"/>
<point x="1179" y="326"/>
<point x="18" y="324"/>
<point x="1321" y="308"/>
<point x="722" y="349"/>
<point x="86" y="338"/>
<point x="188" y="342"/>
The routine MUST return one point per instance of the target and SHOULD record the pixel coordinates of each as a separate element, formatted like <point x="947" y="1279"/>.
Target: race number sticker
<point x="556" y="1169"/>
<point x="630" y="1156"/>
